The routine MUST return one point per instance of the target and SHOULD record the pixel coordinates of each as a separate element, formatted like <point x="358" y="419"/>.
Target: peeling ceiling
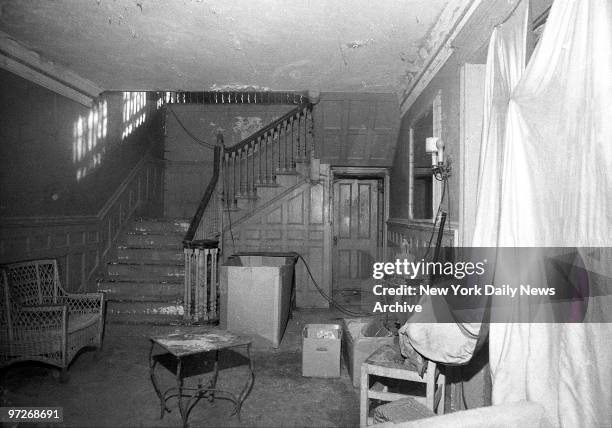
<point x="339" y="45"/>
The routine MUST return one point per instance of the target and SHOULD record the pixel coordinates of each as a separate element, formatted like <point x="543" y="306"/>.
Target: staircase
<point x="145" y="283"/>
<point x="166" y="269"/>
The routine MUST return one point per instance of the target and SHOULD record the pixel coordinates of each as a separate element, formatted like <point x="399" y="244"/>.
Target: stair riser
<point x="145" y="308"/>
<point x="173" y="241"/>
<point x="177" y="226"/>
<point x="140" y="271"/>
<point x="144" y="312"/>
<point x="129" y="291"/>
<point x="150" y="255"/>
<point x="266" y="193"/>
<point x="287" y="180"/>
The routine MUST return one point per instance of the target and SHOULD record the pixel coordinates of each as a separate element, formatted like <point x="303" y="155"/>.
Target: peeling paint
<point x="359" y="43"/>
<point x="245" y="126"/>
<point x="238" y="87"/>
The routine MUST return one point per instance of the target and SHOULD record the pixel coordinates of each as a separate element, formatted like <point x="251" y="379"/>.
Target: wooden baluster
<point x="268" y="159"/>
<point x="234" y="176"/>
<point x="213" y="283"/>
<point x="259" y="153"/>
<point x="284" y="126"/>
<point x="187" y="282"/>
<point x="196" y="291"/>
<point x="226" y="181"/>
<point x="305" y="133"/>
<point x="252" y="180"/>
<point x="310" y="145"/>
<point x="239" y="172"/>
<point x="278" y="146"/>
<point x="243" y="170"/>
<point x="298" y="154"/>
<point x="204" y="300"/>
<point x="266" y="156"/>
<point x="292" y="157"/>
<point x="249" y="174"/>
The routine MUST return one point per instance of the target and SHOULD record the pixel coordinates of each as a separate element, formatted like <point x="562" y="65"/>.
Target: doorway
<point x="358" y="233"/>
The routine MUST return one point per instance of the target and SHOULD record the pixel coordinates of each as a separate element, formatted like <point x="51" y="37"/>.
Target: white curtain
<point x="545" y="181"/>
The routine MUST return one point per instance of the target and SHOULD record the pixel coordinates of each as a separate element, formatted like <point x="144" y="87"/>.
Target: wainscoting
<point x="417" y="236"/>
<point x="82" y="244"/>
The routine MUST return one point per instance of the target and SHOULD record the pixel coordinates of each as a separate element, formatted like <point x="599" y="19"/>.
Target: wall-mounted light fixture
<point x="440" y="169"/>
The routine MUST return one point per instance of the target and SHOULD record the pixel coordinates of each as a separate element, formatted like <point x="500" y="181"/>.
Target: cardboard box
<point x="255" y="295"/>
<point x="321" y="350"/>
<point x="357" y="347"/>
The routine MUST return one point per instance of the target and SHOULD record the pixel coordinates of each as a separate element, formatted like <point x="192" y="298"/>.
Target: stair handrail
<point x="208" y="194"/>
<point x="263" y="131"/>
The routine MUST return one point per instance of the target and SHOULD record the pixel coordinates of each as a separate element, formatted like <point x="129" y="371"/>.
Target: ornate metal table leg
<point x="179" y="387"/>
<point x="213" y="380"/>
<point x="249" y="384"/>
<point x="162" y="400"/>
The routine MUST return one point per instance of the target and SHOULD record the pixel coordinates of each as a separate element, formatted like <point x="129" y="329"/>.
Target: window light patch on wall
<point x="89" y="136"/>
<point x="134" y="113"/>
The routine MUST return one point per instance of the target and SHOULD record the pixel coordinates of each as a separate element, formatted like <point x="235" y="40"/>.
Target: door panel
<point x="355" y="232"/>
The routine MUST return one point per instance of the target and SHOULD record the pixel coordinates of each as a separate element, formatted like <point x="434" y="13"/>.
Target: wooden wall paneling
<point x="356" y="129"/>
<point x="417" y="235"/>
<point x="81" y="244"/>
<point x="294" y="222"/>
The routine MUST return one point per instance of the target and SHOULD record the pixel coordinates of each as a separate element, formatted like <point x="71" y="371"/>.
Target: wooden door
<point x="356" y="236"/>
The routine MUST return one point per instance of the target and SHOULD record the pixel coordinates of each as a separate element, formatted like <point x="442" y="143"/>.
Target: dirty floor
<point x="113" y="389"/>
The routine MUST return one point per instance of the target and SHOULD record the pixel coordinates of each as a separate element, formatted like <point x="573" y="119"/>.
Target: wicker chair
<point x="39" y="321"/>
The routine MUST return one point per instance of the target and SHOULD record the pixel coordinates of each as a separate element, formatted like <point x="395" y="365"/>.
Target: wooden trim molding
<point x="82" y="244"/>
<point x="417" y="234"/>
<point x="28" y="64"/>
<point x="452" y="20"/>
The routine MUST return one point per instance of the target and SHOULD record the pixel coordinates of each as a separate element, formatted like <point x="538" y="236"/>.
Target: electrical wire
<point x="433" y="230"/>
<point x="330" y="300"/>
<point x="193" y="137"/>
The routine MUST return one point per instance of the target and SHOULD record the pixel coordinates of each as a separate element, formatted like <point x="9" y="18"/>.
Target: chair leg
<point x="364" y="402"/>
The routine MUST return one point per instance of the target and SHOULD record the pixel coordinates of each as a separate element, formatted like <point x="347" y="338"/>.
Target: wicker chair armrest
<point x="40" y="317"/>
<point x="83" y="302"/>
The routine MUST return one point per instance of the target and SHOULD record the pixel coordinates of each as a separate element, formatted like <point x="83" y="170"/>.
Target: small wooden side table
<point x="185" y="342"/>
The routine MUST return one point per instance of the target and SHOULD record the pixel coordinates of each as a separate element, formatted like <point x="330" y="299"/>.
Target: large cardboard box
<point x="255" y="295"/>
<point x="321" y="350"/>
<point x="357" y="347"/>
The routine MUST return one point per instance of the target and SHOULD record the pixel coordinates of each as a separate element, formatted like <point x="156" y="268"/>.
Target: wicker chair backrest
<point x="33" y="283"/>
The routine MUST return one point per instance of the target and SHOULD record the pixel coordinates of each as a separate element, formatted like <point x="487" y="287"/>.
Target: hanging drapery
<point x="544" y="181"/>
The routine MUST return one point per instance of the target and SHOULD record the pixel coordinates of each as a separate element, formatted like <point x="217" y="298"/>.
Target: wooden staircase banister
<point x="208" y="194"/>
<point x="270" y="127"/>
<point x="283" y="147"/>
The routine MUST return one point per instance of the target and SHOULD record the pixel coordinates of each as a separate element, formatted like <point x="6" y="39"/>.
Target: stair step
<point x="245" y="204"/>
<point x="131" y="319"/>
<point x="267" y="193"/>
<point x="144" y="312"/>
<point x="154" y="240"/>
<point x="161" y="225"/>
<point x="266" y="185"/>
<point x="141" y="291"/>
<point x="287" y="180"/>
<point x="141" y="269"/>
<point x="246" y="196"/>
<point x="286" y="172"/>
<point x="149" y="255"/>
